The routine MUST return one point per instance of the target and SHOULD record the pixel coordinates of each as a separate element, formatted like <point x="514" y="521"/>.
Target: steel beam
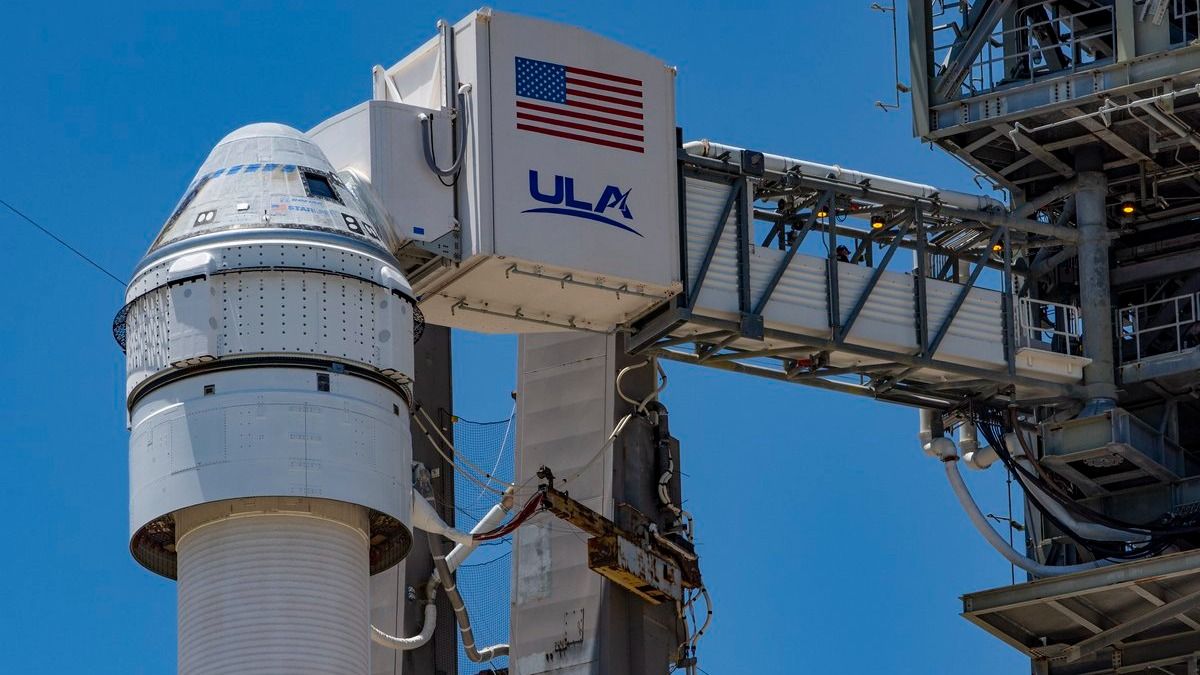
<point x="820" y="344"/>
<point x="826" y="201"/>
<point x="983" y="17"/>
<point x="876" y="275"/>
<point x="1132" y="627"/>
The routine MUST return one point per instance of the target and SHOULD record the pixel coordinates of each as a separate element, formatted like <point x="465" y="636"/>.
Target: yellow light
<point x="1128" y="208"/>
<point x="821" y="212"/>
<point x="877" y="222"/>
<point x="997" y="247"/>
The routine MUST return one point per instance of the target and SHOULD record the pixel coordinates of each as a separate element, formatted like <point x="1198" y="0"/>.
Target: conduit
<point x="404" y="644"/>
<point x="460" y="609"/>
<point x="456" y="557"/>
<point x="980" y="522"/>
<point x="961" y="200"/>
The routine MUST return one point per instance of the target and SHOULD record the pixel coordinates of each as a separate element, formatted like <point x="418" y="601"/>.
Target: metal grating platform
<point x="1134" y="617"/>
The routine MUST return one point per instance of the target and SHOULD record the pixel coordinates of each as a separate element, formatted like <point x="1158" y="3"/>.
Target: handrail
<point x="1158" y="327"/>
<point x="1016" y="54"/>
<point x="1051" y="326"/>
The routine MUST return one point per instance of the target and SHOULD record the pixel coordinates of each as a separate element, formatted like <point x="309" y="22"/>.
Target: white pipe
<point x="980" y="522"/>
<point x="490" y="521"/>
<point x="405" y="644"/>
<point x="1180" y="130"/>
<point x="962" y="200"/>
<point x="426" y="519"/>
<point x="980" y="458"/>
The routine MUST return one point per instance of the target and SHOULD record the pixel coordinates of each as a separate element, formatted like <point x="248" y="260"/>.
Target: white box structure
<point x="567" y="204"/>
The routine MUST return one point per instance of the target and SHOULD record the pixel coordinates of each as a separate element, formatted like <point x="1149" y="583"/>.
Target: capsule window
<point x="318" y="186"/>
<point x="322" y="382"/>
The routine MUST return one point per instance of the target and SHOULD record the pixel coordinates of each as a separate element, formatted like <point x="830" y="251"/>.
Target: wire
<point x="450" y="457"/>
<point x="531" y="507"/>
<point x="992" y="426"/>
<point x="486" y="562"/>
<point x="640" y="406"/>
<point x="503" y="444"/>
<point x="63" y="243"/>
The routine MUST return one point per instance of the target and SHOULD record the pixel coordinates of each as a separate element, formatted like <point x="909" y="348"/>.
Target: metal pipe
<point x="1095" y="295"/>
<point x="460" y="552"/>
<point x="1182" y="131"/>
<point x="950" y="203"/>
<point x="962" y="200"/>
<point x="490" y="521"/>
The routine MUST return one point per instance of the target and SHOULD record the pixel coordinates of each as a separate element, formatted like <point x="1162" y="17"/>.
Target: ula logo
<point x="566" y="203"/>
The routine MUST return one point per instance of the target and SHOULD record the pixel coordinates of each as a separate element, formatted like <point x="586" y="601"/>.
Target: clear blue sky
<point x="829" y="542"/>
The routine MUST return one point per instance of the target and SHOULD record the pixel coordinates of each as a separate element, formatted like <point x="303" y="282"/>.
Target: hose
<point x="460" y="608"/>
<point x="405" y="644"/>
<point x="453" y="560"/>
<point x="460" y="144"/>
<point x="980" y="522"/>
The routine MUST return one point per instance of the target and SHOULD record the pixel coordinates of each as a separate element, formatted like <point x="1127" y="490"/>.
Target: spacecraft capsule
<point x="269" y="335"/>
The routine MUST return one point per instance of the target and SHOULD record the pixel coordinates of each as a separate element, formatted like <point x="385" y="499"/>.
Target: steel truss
<point x="951" y="244"/>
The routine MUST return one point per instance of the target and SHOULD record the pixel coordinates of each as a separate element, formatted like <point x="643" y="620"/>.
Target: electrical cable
<point x="1096" y="516"/>
<point x="46" y="231"/>
<point x="992" y="425"/>
<point x="994" y="436"/>
<point x="450" y="457"/>
<point x="527" y="511"/>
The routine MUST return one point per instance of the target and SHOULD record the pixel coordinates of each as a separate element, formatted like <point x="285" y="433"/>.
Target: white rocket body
<point x="268" y="335"/>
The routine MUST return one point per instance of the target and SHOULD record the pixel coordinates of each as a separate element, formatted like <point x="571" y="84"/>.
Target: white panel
<point x="564" y="412"/>
<point x="275" y="307"/>
<point x="269" y="431"/>
<point x="382" y="140"/>
<point x="273" y="595"/>
<point x="545" y="302"/>
<point x="573" y="176"/>
<point x="192" y="324"/>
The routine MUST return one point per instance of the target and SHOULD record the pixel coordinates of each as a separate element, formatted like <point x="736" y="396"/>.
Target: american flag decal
<point x="580" y="105"/>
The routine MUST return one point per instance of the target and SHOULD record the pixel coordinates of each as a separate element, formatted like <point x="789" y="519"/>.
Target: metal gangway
<point x="769" y="293"/>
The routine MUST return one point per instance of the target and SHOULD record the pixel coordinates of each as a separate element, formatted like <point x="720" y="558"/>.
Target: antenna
<point x="900" y="87"/>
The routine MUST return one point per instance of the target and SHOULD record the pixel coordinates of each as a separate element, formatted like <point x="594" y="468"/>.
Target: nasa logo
<point x="566" y="203"/>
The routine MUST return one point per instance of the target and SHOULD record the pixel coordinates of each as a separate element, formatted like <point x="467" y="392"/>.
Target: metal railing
<point x="1158" y="327"/>
<point x="1038" y="45"/>
<point x="1049" y="326"/>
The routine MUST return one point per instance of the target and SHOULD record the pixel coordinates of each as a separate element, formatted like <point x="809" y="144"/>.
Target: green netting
<point x="485" y="579"/>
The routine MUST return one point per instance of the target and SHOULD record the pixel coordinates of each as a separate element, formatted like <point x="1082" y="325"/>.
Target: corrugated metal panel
<point x="799" y="302"/>
<point x="273" y="594"/>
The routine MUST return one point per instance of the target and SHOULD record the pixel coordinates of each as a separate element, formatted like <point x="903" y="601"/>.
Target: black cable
<point x="992" y="425"/>
<point x="64" y="244"/>
<point x="993" y="430"/>
<point x="1096" y="516"/>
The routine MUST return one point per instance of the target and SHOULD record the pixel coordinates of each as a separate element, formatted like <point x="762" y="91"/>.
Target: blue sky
<point x="829" y="542"/>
